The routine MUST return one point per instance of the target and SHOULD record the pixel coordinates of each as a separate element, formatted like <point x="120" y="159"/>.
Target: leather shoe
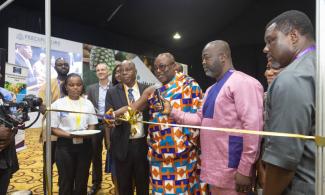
<point x="94" y="189"/>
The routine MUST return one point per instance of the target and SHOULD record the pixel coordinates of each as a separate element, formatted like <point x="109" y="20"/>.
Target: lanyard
<point x="78" y="108"/>
<point x="311" y="48"/>
<point x="60" y="90"/>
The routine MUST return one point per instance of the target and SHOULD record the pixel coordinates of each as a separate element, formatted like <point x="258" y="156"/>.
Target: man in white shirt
<point x="96" y="94"/>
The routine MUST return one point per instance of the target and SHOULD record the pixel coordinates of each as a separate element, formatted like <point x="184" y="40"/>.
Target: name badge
<point x="77" y="140"/>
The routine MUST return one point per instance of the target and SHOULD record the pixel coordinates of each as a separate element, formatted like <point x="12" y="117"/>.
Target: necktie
<point x="130" y="96"/>
<point x="131" y="100"/>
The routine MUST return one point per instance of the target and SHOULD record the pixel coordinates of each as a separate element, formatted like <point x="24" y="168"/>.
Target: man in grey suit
<point x="128" y="142"/>
<point x="96" y="94"/>
<point x="290" y="106"/>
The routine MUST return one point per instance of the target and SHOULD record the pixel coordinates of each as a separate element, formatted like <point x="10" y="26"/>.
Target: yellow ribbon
<point x="131" y="116"/>
<point x="319" y="140"/>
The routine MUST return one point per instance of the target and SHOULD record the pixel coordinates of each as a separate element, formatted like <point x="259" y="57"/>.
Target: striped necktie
<point x="130" y="95"/>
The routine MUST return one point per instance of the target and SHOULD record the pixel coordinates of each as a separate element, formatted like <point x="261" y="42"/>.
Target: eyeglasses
<point x="275" y="66"/>
<point x="161" y="67"/>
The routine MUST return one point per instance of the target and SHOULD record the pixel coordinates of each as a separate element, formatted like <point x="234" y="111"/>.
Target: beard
<point x="215" y="70"/>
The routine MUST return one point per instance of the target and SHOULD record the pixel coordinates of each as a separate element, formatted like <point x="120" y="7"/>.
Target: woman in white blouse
<point x="73" y="153"/>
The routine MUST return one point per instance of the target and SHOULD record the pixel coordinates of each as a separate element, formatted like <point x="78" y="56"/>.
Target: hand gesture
<point x="109" y="118"/>
<point x="163" y="106"/>
<point x="243" y="183"/>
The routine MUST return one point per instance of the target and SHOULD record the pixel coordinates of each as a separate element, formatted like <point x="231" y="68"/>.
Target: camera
<point x="30" y="103"/>
<point x="14" y="114"/>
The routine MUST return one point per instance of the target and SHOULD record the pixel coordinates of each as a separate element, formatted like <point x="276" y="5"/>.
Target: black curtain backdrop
<point x="247" y="57"/>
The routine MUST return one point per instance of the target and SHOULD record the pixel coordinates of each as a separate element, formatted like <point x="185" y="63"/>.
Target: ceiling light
<point x="177" y="36"/>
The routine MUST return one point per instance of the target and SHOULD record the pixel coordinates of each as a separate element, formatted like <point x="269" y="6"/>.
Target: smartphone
<point x="159" y="100"/>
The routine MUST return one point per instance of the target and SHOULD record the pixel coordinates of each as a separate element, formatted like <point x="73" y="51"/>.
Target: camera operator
<point x="8" y="156"/>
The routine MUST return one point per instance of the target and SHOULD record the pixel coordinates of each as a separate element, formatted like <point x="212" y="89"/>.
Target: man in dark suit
<point x="128" y="142"/>
<point x="96" y="94"/>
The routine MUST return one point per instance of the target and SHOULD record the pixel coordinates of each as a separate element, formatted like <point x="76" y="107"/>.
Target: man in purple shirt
<point x="234" y="101"/>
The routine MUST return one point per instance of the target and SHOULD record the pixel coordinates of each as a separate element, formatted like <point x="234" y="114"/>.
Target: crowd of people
<point x="183" y="160"/>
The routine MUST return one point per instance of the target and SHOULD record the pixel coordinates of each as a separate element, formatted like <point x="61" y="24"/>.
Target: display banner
<point x="27" y="49"/>
<point x="15" y="82"/>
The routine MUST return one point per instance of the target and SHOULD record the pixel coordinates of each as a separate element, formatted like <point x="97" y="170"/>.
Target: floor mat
<point x="29" y="176"/>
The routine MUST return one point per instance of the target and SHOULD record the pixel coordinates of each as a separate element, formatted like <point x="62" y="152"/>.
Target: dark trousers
<point x="8" y="166"/>
<point x="97" y="148"/>
<point x="5" y="175"/>
<point x="73" y="162"/>
<point x="44" y="163"/>
<point x="134" y="168"/>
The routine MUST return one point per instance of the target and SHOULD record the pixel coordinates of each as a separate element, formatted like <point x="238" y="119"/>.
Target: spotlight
<point x="177" y="36"/>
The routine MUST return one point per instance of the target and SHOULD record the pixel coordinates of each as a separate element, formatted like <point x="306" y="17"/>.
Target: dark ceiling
<point x="145" y="27"/>
<point x="155" y="21"/>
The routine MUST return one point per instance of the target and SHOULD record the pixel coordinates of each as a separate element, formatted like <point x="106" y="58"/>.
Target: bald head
<point x="216" y="58"/>
<point x="128" y="73"/>
<point x="164" y="68"/>
<point x="219" y="46"/>
<point x="167" y="55"/>
<point x="129" y="63"/>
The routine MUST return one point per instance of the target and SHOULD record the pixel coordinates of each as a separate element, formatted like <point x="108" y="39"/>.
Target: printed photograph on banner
<point x="93" y="55"/>
<point x="15" y="82"/>
<point x="33" y="58"/>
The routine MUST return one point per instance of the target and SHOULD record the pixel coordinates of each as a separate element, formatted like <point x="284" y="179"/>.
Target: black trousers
<point x="44" y="162"/>
<point x="73" y="162"/>
<point x="97" y="149"/>
<point x="5" y="175"/>
<point x="134" y="168"/>
<point x="8" y="166"/>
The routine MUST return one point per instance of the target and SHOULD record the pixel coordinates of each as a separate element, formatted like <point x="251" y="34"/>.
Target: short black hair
<point x="63" y="87"/>
<point x="293" y="19"/>
<point x="60" y="58"/>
